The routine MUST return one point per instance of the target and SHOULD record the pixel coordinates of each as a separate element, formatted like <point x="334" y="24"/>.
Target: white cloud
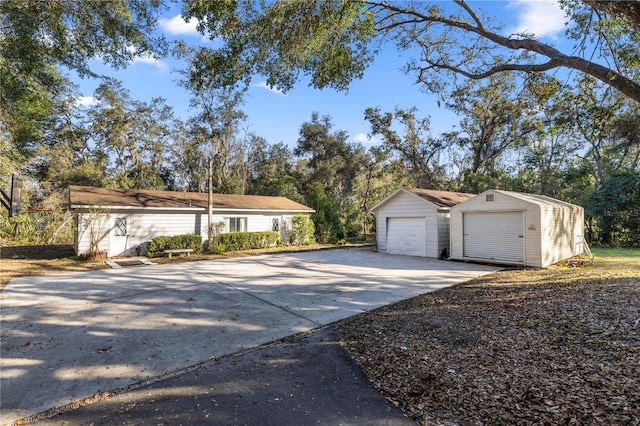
<point x="264" y="85"/>
<point x="83" y="101"/>
<point x="146" y="59"/>
<point x="544" y="18"/>
<point x="177" y="25"/>
<point x="363" y="138"/>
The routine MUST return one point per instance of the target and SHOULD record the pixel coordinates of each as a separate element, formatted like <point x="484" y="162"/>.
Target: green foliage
<point x="235" y="241"/>
<point x="326" y="40"/>
<point x="39" y="38"/>
<point x="616" y="207"/>
<point x="302" y="230"/>
<point x="157" y="245"/>
<point x="329" y="228"/>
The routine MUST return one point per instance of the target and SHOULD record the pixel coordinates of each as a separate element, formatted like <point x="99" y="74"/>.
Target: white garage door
<point x="407" y="236"/>
<point x="494" y="236"/>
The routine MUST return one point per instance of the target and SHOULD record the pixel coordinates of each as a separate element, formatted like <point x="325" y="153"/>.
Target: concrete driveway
<point x="68" y="337"/>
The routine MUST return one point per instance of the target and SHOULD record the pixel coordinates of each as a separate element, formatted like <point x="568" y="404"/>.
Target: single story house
<point x="516" y="228"/>
<point x="121" y="220"/>
<point x="415" y="222"/>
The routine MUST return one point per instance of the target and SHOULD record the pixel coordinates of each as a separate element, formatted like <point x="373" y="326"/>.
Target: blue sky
<point x="277" y="117"/>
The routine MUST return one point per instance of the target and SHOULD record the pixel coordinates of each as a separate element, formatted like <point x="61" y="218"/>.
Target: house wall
<point x="561" y="227"/>
<point x="143" y="226"/>
<point x="501" y="203"/>
<point x="408" y="205"/>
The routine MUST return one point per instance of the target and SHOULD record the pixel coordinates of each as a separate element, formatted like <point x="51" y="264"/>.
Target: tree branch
<point x="402" y="17"/>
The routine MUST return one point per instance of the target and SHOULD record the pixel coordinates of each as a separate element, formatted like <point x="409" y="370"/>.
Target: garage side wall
<point x="501" y="203"/>
<point x="405" y="205"/>
<point x="561" y="227"/>
<point x="444" y="232"/>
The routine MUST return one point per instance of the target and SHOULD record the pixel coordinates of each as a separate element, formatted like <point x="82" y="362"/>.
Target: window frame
<point x="235" y="222"/>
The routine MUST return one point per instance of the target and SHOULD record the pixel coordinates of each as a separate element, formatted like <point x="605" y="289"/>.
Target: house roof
<point x="443" y="199"/>
<point x="89" y="196"/>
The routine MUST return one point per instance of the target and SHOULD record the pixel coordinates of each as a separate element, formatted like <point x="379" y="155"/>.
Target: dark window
<point x="236" y="224"/>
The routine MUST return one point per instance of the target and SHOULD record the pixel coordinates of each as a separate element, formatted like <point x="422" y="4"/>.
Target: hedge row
<point x="243" y="241"/>
<point x="157" y="245"/>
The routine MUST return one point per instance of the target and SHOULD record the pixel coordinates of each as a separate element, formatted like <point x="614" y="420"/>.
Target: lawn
<point x="559" y="345"/>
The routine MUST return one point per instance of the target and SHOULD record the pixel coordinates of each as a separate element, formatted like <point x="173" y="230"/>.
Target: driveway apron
<point x="68" y="337"/>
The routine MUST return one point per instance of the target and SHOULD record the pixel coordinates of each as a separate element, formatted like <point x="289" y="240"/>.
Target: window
<point x="120" y="225"/>
<point x="236" y="224"/>
<point x="276" y="225"/>
<point x="488" y="198"/>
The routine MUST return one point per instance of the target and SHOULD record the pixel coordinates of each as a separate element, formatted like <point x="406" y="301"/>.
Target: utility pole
<point x="210" y="202"/>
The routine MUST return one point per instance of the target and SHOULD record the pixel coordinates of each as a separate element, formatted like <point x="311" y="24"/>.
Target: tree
<point x="416" y="150"/>
<point x="332" y="162"/>
<point x="132" y="135"/>
<point x="333" y="41"/>
<point x="40" y="38"/>
<point x="616" y="206"/>
<point x="274" y="172"/>
<point x="494" y="120"/>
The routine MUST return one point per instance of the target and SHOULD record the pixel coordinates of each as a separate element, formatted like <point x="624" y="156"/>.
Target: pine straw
<point x="552" y="346"/>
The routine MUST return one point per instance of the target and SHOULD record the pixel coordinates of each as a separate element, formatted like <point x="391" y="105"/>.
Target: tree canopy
<point x="333" y="41"/>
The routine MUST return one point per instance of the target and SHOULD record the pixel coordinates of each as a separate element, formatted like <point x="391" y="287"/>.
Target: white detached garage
<point x="516" y="228"/>
<point x="415" y="222"/>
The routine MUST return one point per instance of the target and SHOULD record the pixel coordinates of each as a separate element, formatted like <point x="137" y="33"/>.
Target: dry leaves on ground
<point x="553" y="346"/>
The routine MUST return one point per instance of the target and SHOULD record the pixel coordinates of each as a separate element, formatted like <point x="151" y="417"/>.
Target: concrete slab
<point x="67" y="337"/>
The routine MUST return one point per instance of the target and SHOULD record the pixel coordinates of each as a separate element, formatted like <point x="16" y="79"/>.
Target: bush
<point x="302" y="230"/>
<point x="243" y="241"/>
<point x="158" y="245"/>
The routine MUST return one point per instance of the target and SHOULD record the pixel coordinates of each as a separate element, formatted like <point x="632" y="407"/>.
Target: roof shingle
<point x="89" y="196"/>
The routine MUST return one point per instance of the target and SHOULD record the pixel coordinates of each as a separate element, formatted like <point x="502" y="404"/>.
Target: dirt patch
<point x="553" y="346"/>
<point x="59" y="251"/>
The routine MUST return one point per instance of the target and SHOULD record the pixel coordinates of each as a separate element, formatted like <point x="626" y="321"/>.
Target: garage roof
<point x="537" y="199"/>
<point x="89" y="196"/>
<point x="443" y="199"/>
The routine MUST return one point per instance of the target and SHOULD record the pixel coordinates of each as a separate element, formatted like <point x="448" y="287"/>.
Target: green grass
<point x="616" y="252"/>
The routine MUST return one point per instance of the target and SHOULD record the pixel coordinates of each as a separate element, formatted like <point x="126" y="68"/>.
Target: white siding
<point x="146" y="225"/>
<point x="550" y="228"/>
<point x="561" y="227"/>
<point x="405" y="205"/>
<point x="100" y="225"/>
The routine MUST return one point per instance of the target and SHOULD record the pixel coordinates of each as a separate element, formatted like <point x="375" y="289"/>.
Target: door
<point x="120" y="235"/>
<point x="407" y="236"/>
<point x="494" y="236"/>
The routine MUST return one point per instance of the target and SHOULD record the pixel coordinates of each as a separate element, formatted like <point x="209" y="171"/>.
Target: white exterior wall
<point x="550" y="231"/>
<point x="501" y="203"/>
<point x="143" y="226"/>
<point x="561" y="227"/>
<point x="408" y="206"/>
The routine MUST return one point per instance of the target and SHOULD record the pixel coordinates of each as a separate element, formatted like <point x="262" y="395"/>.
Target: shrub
<point x="302" y="230"/>
<point x="157" y="245"/>
<point x="234" y="241"/>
